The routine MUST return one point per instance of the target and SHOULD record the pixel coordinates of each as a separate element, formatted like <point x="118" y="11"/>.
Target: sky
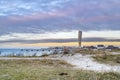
<point x="28" y="21"/>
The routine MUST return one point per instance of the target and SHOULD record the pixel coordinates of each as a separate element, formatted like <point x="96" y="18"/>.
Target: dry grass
<point x="45" y="62"/>
<point x="110" y="59"/>
<point x="48" y="70"/>
<point x="115" y="50"/>
<point x="90" y="51"/>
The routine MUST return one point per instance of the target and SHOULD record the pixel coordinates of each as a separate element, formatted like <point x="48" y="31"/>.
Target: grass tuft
<point x="90" y="51"/>
<point x="110" y="59"/>
<point x="48" y="70"/>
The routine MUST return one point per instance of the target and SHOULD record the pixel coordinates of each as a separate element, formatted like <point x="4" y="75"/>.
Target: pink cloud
<point x="100" y="18"/>
<point x="37" y="16"/>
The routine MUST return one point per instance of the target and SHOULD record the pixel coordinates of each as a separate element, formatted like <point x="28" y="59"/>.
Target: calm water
<point x="25" y="52"/>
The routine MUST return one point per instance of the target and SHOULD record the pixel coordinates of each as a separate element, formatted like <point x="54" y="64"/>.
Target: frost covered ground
<point x="85" y="62"/>
<point x="88" y="63"/>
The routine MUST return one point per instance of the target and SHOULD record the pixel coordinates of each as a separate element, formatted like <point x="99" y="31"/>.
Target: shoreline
<point x="60" y="44"/>
<point x="78" y="61"/>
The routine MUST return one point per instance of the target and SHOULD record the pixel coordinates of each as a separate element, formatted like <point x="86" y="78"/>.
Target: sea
<point x="25" y="52"/>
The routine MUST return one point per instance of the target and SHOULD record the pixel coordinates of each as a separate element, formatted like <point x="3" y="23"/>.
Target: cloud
<point x="42" y="16"/>
<point x="31" y="38"/>
<point x="58" y="40"/>
<point x="23" y="7"/>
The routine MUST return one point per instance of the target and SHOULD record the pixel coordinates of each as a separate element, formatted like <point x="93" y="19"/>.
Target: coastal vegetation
<point x="48" y="70"/>
<point x="115" y="50"/>
<point x="109" y="59"/>
<point x="90" y="51"/>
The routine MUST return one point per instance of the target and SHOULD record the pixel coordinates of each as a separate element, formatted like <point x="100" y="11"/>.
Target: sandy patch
<point x="88" y="63"/>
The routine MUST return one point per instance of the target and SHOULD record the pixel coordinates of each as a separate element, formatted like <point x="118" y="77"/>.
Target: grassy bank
<point x="48" y="70"/>
<point x="109" y="59"/>
<point x="115" y="50"/>
<point x="90" y="51"/>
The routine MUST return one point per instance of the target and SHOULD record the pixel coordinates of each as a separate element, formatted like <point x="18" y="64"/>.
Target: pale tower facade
<point x="79" y="38"/>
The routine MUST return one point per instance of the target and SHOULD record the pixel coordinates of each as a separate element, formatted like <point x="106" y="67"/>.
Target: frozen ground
<point x="84" y="62"/>
<point x="115" y="53"/>
<point x="88" y="63"/>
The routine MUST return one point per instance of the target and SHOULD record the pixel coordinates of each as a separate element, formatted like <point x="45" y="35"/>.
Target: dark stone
<point x="62" y="74"/>
<point x="118" y="61"/>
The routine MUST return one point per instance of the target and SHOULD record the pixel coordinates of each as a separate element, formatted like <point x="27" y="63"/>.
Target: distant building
<point x="112" y="47"/>
<point x="100" y="47"/>
<point x="79" y="38"/>
<point x="89" y="47"/>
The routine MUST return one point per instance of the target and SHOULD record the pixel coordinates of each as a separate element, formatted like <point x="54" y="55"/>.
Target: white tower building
<point x="79" y="38"/>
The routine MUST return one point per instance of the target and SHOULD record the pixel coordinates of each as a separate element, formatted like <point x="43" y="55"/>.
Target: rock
<point x="62" y="74"/>
<point x="118" y="61"/>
